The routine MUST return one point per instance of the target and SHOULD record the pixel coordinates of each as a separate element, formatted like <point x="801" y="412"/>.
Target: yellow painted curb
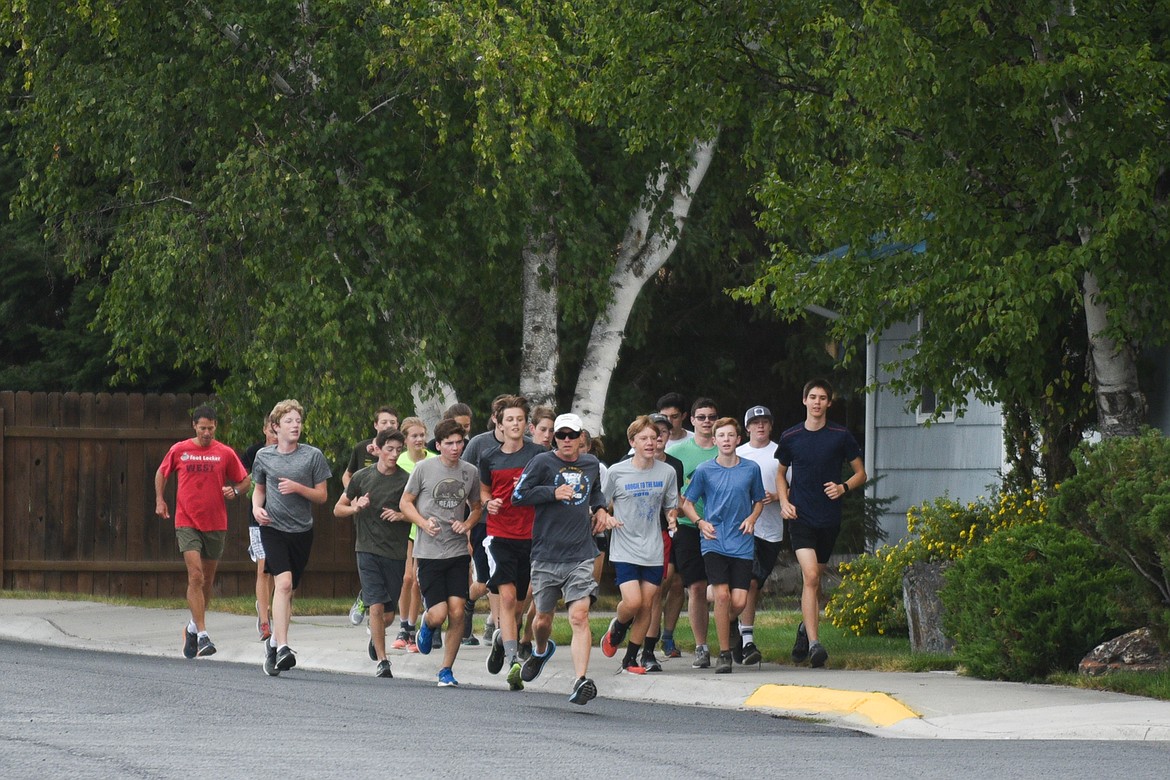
<point x="881" y="709"/>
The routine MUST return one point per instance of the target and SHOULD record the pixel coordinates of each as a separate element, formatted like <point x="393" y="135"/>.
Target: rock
<point x="1136" y="651"/>
<point x="924" y="609"/>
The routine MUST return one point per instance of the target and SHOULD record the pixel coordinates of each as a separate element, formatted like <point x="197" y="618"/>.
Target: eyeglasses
<point x="704" y="417"/>
<point x="567" y="434"/>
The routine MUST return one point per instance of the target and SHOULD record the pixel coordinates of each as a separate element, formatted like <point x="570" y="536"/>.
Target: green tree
<point x="1023" y="143"/>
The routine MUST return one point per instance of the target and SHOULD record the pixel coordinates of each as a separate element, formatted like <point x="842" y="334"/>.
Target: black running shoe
<point x="373" y="653"/>
<point x="651" y="663"/>
<point x="751" y="654"/>
<point x="800" y="649"/>
<point x="270" y="661"/>
<point x="205" y="647"/>
<point x="584" y="691"/>
<point x="495" y="661"/>
<point x="535" y="663"/>
<point x="285" y="659"/>
<point x="383" y="669"/>
<point x="190" y="643"/>
<point x="817" y="655"/>
<point x="525" y="651"/>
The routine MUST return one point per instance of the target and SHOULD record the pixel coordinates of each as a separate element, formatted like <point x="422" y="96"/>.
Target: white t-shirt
<point x="675" y="442"/>
<point x="770" y="525"/>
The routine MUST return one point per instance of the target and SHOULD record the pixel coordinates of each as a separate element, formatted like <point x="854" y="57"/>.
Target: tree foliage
<point x="1022" y="144"/>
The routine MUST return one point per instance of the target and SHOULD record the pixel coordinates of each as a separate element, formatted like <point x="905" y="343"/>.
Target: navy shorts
<point x="636" y="572"/>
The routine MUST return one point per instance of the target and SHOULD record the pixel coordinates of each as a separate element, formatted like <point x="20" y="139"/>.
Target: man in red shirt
<point x="210" y="473"/>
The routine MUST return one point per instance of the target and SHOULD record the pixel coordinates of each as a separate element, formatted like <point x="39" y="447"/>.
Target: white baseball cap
<point x="570" y="421"/>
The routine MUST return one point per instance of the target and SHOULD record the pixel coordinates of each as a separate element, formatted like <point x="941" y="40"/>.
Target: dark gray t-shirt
<point x="442" y="493"/>
<point x="562" y="531"/>
<point x="375" y="535"/>
<point x="290" y="513"/>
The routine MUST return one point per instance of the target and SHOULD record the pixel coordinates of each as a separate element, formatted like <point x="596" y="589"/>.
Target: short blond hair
<point x="286" y="406"/>
<point x="640" y="423"/>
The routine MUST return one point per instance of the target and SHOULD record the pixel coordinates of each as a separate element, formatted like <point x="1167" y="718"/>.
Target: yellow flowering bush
<point x="869" y="598"/>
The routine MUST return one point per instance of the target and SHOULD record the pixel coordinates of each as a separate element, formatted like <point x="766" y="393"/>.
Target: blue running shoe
<point x="447" y="679"/>
<point x="424" y="638"/>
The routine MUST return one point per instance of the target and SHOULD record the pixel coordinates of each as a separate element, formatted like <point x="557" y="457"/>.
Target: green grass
<point x="775" y="631"/>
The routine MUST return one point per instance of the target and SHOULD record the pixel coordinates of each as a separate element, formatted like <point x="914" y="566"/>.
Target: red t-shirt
<point x="500" y="470"/>
<point x="203" y="471"/>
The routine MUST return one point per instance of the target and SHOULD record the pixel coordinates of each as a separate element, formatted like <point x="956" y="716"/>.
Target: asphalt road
<point x="94" y="715"/>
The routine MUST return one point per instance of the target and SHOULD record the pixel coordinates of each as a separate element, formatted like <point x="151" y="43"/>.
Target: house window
<point x="929" y="406"/>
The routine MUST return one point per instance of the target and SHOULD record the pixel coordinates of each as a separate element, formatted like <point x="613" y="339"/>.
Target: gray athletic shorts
<point x="552" y="581"/>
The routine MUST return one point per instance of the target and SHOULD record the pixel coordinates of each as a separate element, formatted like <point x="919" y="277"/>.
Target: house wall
<point x="917" y="463"/>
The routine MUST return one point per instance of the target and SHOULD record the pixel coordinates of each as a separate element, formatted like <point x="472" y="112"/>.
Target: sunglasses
<point x="704" y="417"/>
<point x="567" y="434"/>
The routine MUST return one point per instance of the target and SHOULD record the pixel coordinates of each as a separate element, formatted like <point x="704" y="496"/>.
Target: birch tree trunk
<point x="1121" y="405"/>
<point x="540" y="346"/>
<point x="641" y="255"/>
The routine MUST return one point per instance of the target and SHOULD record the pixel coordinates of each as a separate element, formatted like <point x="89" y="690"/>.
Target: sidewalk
<point x="886" y="704"/>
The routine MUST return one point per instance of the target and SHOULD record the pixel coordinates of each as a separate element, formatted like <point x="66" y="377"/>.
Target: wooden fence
<point x="77" y="502"/>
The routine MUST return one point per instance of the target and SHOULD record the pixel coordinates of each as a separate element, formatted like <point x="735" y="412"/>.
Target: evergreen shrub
<point x="1031" y="600"/>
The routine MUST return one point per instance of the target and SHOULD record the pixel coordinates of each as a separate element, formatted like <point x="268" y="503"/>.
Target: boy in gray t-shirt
<point x="638" y="490"/>
<point x="290" y="477"/>
<point x="438" y="491"/>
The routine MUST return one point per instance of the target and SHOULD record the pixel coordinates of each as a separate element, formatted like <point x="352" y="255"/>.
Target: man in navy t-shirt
<point x="815" y="450"/>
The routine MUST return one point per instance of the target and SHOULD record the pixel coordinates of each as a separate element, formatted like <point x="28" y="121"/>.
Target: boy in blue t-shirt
<point x="732" y="492"/>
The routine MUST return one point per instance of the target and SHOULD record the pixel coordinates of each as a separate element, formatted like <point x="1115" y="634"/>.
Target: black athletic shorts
<point x="440" y="579"/>
<point x="510" y="561"/>
<point x="479" y="555"/>
<point x="688" y="555"/>
<point x="286" y="552"/>
<point x="815" y="537"/>
<point x="736" y="573"/>
<point x="765" y="559"/>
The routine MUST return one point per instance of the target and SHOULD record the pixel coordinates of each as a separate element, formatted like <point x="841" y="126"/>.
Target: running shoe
<point x="495" y="661"/>
<point x="702" y="658"/>
<point x="373" y="653"/>
<point x="425" y="638"/>
<point x="383" y="669"/>
<point x="817" y="655"/>
<point x="525" y="651"/>
<point x="412" y="646"/>
<point x="609" y="640"/>
<point x="724" y="663"/>
<point x="650" y="663"/>
<point x="270" y="661"/>
<point x="670" y="649"/>
<point x="584" y="691"/>
<point x="751" y="654"/>
<point x="357" y="611"/>
<point x="205" y="647"/>
<point x="489" y="631"/>
<point x="400" y="641"/>
<point x="470" y="641"/>
<point x="190" y="643"/>
<point x="800" y="649"/>
<point x="515" y="682"/>
<point x="285" y="658"/>
<point x="631" y="666"/>
<point x="535" y="664"/>
<point x="436" y="638"/>
<point x="446" y="678"/>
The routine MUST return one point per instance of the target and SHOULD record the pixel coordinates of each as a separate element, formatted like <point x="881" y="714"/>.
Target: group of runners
<point x="522" y="513"/>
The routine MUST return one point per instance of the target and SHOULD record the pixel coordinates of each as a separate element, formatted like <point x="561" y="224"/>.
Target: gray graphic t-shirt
<point x="442" y="492"/>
